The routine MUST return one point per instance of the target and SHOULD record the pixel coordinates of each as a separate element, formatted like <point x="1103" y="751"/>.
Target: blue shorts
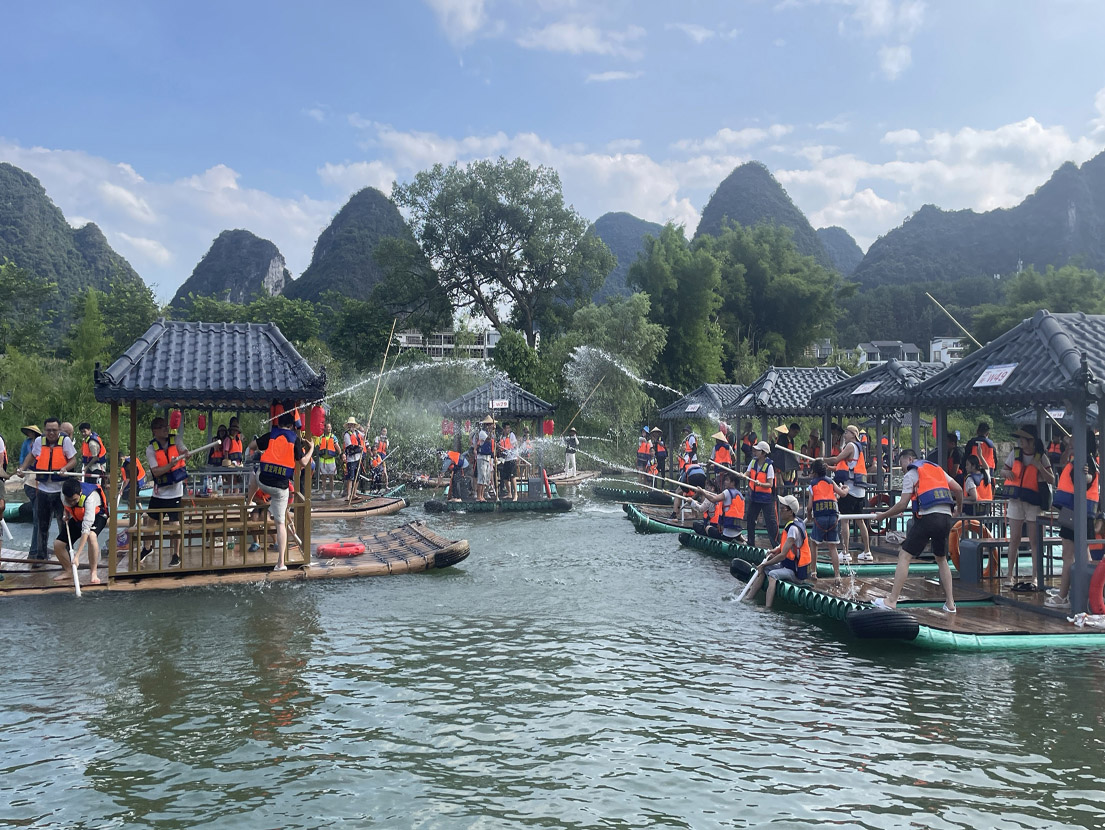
<point x="830" y="535"/>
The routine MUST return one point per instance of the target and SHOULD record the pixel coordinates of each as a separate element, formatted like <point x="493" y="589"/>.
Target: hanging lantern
<point x="201" y="422"/>
<point x="318" y="421"/>
<point x="548" y="427"/>
<point x="175" y="417"/>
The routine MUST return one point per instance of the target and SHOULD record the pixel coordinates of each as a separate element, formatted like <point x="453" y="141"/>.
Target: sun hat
<point x="851" y="428"/>
<point x="31" y="431"/>
<point x="720" y="436"/>
<point x="791" y="502"/>
<point x="762" y="446"/>
<point x="571" y="429"/>
<point x="351" y="421"/>
<point x="782" y="428"/>
<point x="656" y="429"/>
<point x="1026" y="432"/>
<point x="488" y="420"/>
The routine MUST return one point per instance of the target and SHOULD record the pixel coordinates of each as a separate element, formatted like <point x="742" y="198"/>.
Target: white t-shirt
<point x="346" y="442"/>
<point x="909" y="487"/>
<point x="92" y="503"/>
<point x="45" y="485"/>
<point x="171" y="491"/>
<point x="511" y="454"/>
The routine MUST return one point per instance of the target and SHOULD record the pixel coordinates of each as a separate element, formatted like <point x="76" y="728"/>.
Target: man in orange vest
<point x="85" y="505"/>
<point x="50" y="454"/>
<point x="936" y="498"/>
<point x="327" y="448"/>
<point x="790" y="560"/>
<point x="280" y="450"/>
<point x="353" y="448"/>
<point x="165" y="461"/>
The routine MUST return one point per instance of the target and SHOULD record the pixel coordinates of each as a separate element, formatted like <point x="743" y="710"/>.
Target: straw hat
<point x="782" y="429"/>
<point x="720" y="436"/>
<point x="572" y="430"/>
<point x="1025" y="433"/>
<point x="351" y="421"/>
<point x="31" y="431"/>
<point x="657" y="429"/>
<point x="488" y="420"/>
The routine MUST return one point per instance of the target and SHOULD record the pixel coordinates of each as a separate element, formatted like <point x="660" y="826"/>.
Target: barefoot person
<point x="50" y="454"/>
<point x="485" y="458"/>
<point x="85" y="516"/>
<point x="166" y="461"/>
<point x="790" y="560"/>
<point x="936" y="499"/>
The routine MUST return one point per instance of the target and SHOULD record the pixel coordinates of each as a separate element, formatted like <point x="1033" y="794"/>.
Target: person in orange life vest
<point x="165" y="461"/>
<point x="454" y="463"/>
<point x="232" y="445"/>
<point x="280" y="450"/>
<point x="978" y="487"/>
<point x="571" y="444"/>
<point x="124" y="469"/>
<point x="217" y="454"/>
<point x="936" y="500"/>
<point x="982" y="447"/>
<point x="644" y="449"/>
<point x="660" y="450"/>
<point x="353" y="449"/>
<point x="728" y="512"/>
<point x="812" y="448"/>
<point x="485" y="458"/>
<point x="508" y="448"/>
<point x="850" y="468"/>
<point x="786" y="465"/>
<point x="51" y="453"/>
<point x="326" y="448"/>
<point x="761" y="474"/>
<point x="824" y="509"/>
<point x="1055" y="449"/>
<point x="721" y="454"/>
<point x="1064" y="500"/>
<point x="85" y="505"/>
<point x="707" y="509"/>
<point x="748" y="441"/>
<point x="688" y="450"/>
<point x="789" y="561"/>
<point x="1025" y="469"/>
<point x="93" y="451"/>
<point x="383" y="447"/>
<point x="865" y="444"/>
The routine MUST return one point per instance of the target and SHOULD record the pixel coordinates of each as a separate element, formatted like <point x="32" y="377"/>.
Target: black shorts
<point x="933" y="527"/>
<point x="509" y="470"/>
<point x="696" y="479"/>
<point x="169" y="508"/>
<point x="1068" y="532"/>
<point x="74" y="529"/>
<point x="851" y="504"/>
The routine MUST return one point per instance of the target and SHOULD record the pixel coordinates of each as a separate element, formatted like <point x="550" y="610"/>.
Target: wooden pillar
<point x="113" y="495"/>
<point x="878" y="453"/>
<point x="1079" y="577"/>
<point x="826" y="432"/>
<point x="305" y="529"/>
<point x="942" y="436"/>
<point x="132" y="499"/>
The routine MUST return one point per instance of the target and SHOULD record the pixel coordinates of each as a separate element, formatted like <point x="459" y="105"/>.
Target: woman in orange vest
<point x="850" y="469"/>
<point x="644" y="450"/>
<point x="978" y="487"/>
<point x="935" y="497"/>
<point x="789" y="561"/>
<point x="824" y="509"/>
<point x="327" y="448"/>
<point x="217" y="455"/>
<point x="1026" y="468"/>
<point x="722" y="453"/>
<point x="1064" y="500"/>
<point x="761" y="476"/>
<point x="727" y="515"/>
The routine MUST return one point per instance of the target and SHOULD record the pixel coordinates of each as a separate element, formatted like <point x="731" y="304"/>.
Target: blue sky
<point x="168" y="123"/>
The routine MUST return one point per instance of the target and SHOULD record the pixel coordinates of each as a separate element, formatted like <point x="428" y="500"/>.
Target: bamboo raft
<point x="384" y="504"/>
<point x="655" y="519"/>
<point x="540" y="505"/>
<point x="573" y="480"/>
<point x="628" y="494"/>
<point x="406" y="549"/>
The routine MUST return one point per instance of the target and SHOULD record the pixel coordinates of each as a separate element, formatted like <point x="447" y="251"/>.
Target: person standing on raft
<point x="571" y="444"/>
<point x="353" y="443"/>
<point x="485" y="458"/>
<point x="52" y="453"/>
<point x="280" y="450"/>
<point x="761" y="475"/>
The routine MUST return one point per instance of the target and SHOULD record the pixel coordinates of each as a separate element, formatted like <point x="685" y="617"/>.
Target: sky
<point x="168" y="123"/>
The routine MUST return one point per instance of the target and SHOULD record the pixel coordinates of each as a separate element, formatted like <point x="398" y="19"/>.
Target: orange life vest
<point x="932" y="487"/>
<point x="86" y="453"/>
<point x="138" y="467"/>
<point x="51" y="458"/>
<point x="382" y="447"/>
<point x="172" y="457"/>
<point x="798" y="561"/>
<point x="825" y="506"/>
<point x="760" y="485"/>
<point x="1024" y="484"/>
<point x="734" y="513"/>
<point x="234" y="449"/>
<point x="644" y="450"/>
<point x="327" y="447"/>
<point x="77" y="512"/>
<point x="722" y="454"/>
<point x="1064" y="492"/>
<point x="278" y="459"/>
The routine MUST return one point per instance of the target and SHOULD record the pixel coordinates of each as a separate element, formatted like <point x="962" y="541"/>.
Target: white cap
<point x="762" y="446"/>
<point x="791" y="502"/>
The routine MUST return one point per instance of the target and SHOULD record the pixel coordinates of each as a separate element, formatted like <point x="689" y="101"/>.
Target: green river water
<point x="569" y="674"/>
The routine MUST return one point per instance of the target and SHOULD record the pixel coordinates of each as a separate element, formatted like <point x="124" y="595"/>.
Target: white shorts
<point x="328" y="468"/>
<point x="483" y="469"/>
<point x="278" y="501"/>
<point x="1017" y="509"/>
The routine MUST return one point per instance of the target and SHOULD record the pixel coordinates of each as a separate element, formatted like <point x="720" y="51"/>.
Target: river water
<point x="569" y="673"/>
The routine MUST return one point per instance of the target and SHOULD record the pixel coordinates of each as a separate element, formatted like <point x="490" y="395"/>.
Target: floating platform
<point x="385" y="504"/>
<point x="655" y="519"/>
<point x="573" y="480"/>
<point x="406" y="549"/>
<point x="627" y="494"/>
<point x="557" y="505"/>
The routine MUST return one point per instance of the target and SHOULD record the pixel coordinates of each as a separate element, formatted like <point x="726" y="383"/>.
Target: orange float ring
<point x="1097" y="589"/>
<point x="336" y="549"/>
<point x="970" y="526"/>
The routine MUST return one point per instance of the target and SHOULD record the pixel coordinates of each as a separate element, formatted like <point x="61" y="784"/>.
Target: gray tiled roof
<point x="1060" y="414"/>
<point x="896" y="379"/>
<point x="220" y="365"/>
<point x="1057" y="357"/>
<point x="786" y="391"/>
<point x="709" y="400"/>
<point x="477" y="403"/>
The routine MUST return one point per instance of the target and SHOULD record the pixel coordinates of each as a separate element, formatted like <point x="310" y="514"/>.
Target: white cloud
<point x="604" y="77"/>
<point x="119" y="196"/>
<point x="839" y="124"/>
<point x="578" y="38"/>
<point x="727" y="139"/>
<point x="623" y="145"/>
<point x="350" y="178"/>
<point x="148" y="249"/>
<point x="894" y="60"/>
<point x="697" y="33"/>
<point x="886" y="18"/>
<point x="316" y="114"/>
<point x="1097" y="124"/>
<point x="901" y="137"/>
<point x="459" y="19"/>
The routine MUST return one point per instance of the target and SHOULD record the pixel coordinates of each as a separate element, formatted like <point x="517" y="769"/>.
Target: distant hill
<point x="624" y="234"/>
<point x="843" y="251"/>
<point x="239" y="267"/>
<point x="344" y="259"/>
<point x="751" y="196"/>
<point x="35" y="236"/>
<point x="1062" y="222"/>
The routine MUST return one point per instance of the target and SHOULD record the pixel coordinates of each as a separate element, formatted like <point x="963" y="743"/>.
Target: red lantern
<point x="318" y="421"/>
<point x="548" y="427"/>
<point x="201" y="422"/>
<point x="175" y="417"/>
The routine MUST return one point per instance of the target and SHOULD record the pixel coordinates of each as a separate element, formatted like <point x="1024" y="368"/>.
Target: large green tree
<point x="1058" y="290"/>
<point x="497" y="235"/>
<point x="683" y="287"/>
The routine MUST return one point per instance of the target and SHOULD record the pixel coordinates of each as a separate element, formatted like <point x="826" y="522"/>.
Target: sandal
<point x="1026" y="587"/>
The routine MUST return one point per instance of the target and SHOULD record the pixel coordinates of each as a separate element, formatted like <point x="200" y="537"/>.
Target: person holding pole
<point x="166" y="462"/>
<point x="850" y="468"/>
<point x="761" y="480"/>
<point x="50" y="455"/>
<point x="353" y="443"/>
<point x="85" y="506"/>
<point x="485" y="458"/>
<point x="571" y="444"/>
<point x="789" y="561"/>
<point x="823" y="507"/>
<point x="937" y="499"/>
<point x="280" y="450"/>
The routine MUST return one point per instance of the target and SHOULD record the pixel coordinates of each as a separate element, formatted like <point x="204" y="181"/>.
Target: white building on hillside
<point x="947" y="350"/>
<point x="442" y="344"/>
<point x="878" y="352"/>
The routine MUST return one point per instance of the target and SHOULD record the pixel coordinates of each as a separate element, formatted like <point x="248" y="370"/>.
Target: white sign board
<point x="995" y="375"/>
<point x="1057" y="414"/>
<point x="692" y="407"/>
<point x="500" y="403"/>
<point x="864" y="388"/>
